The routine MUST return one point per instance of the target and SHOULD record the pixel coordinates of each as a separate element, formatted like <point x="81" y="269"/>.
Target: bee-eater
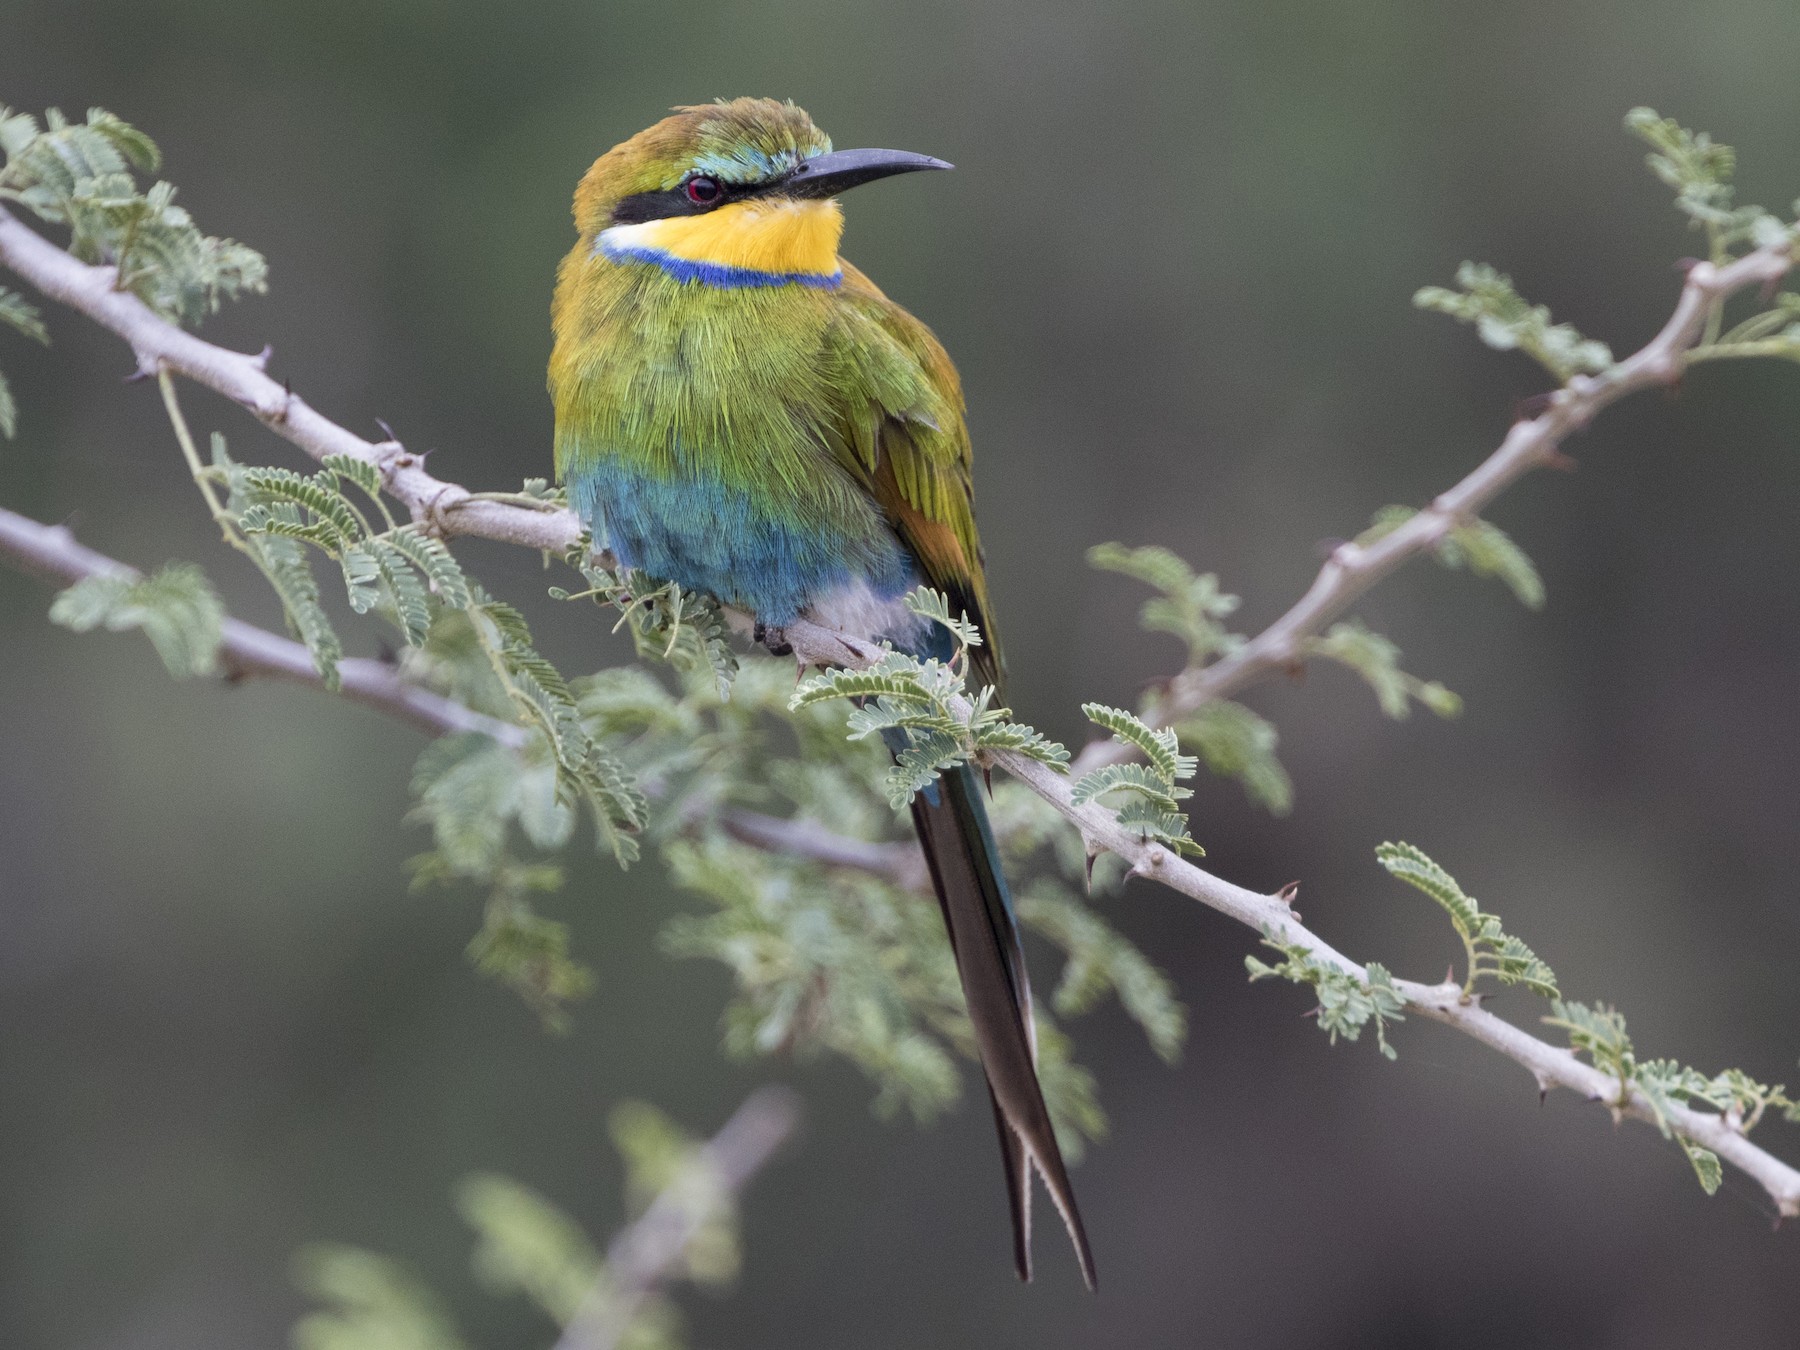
<point x="741" y="411"/>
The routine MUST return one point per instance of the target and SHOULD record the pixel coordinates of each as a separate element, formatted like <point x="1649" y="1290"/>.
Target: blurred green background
<point x="1174" y="265"/>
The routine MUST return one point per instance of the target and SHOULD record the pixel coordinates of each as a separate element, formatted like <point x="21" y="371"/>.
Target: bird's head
<point x="743" y="189"/>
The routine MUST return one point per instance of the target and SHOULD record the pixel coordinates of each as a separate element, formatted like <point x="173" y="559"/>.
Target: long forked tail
<point x="965" y="870"/>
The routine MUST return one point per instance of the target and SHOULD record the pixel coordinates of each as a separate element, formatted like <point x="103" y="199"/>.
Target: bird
<point x="741" y="411"/>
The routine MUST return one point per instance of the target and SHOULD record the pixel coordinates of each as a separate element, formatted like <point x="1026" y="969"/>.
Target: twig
<point x="1347" y="574"/>
<point x="901" y="864"/>
<point x="649" y="1253"/>
<point x="52" y="551"/>
<point x="1531" y="443"/>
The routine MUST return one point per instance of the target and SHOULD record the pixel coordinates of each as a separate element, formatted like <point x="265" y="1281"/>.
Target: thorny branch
<point x="649" y="1253"/>
<point x="901" y="864"/>
<point x="1530" y="443"/>
<point x="52" y="551"/>
<point x="159" y="345"/>
<point x="1350" y="571"/>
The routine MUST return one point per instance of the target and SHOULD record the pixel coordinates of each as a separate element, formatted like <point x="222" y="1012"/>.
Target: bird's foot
<point x="775" y="639"/>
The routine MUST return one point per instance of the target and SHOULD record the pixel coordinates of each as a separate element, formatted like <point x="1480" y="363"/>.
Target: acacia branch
<point x="1550" y="1065"/>
<point x="901" y="864"/>
<point x="1531" y="443"/>
<point x="247" y="652"/>
<point x="1352" y="568"/>
<point x="652" y="1251"/>
<point x="53" y="552"/>
<point x="158" y="345"/>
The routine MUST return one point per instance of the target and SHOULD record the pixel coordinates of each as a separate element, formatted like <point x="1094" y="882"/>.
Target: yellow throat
<point x="775" y="237"/>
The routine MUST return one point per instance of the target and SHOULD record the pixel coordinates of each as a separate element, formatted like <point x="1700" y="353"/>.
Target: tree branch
<point x="1531" y="443"/>
<point x="901" y="864"/>
<point x="445" y="508"/>
<point x="649" y="1253"/>
<point x="246" y="651"/>
<point x="1550" y="1065"/>
<point x="450" y="509"/>
<point x="52" y="551"/>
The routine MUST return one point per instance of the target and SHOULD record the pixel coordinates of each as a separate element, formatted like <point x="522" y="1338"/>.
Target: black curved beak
<point x="842" y="170"/>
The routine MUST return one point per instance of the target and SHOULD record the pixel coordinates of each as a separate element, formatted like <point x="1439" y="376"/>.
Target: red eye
<point x="703" y="191"/>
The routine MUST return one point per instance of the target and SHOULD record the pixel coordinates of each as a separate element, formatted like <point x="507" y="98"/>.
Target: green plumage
<point x="741" y="411"/>
<point x="776" y="440"/>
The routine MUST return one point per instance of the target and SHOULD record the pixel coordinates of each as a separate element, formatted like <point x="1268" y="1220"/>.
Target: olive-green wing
<point x="901" y="434"/>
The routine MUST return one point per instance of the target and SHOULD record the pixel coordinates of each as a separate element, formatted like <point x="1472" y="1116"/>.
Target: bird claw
<point x="775" y="639"/>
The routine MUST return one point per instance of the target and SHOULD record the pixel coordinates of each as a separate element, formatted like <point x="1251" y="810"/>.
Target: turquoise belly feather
<point x="749" y="549"/>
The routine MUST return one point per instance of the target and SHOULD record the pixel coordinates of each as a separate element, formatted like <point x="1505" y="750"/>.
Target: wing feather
<point x="902" y="434"/>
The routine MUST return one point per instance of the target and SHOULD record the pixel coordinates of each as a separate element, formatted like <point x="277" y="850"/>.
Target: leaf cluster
<point x="1479" y="545"/>
<point x="683" y="628"/>
<point x="839" y="960"/>
<point x="1488" y="948"/>
<point x="1146" y="798"/>
<point x="1238" y="743"/>
<point x="80" y="175"/>
<point x="1189" y="606"/>
<point x="1354" y="645"/>
<point x="526" y="1246"/>
<point x="587" y="771"/>
<point x="826" y="961"/>
<point x="492" y="808"/>
<point x="1346" y="1004"/>
<point x="473" y="793"/>
<point x="1234" y="741"/>
<point x="177" y="609"/>
<point x="1700" y="171"/>
<point x="1599" y="1032"/>
<point x="924" y="711"/>
<point x="1101" y="962"/>
<point x="1506" y="321"/>
<point x="412" y="579"/>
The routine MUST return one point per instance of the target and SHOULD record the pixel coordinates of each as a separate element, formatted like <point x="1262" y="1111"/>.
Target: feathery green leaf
<point x="935" y="606"/>
<point x="1236" y="743"/>
<point x="371" y="1303"/>
<point x="176" y="608"/>
<point x="1377" y="660"/>
<point x="1346" y="1004"/>
<point x="1152" y="810"/>
<point x="1158" y="745"/>
<point x="357" y="470"/>
<point x="1101" y="961"/>
<point x="19" y="314"/>
<point x="1696" y="166"/>
<point x="1484" y="548"/>
<point x="1490" y="950"/>
<point x="526" y="1245"/>
<point x="1504" y="320"/>
<point x="1134" y="778"/>
<point x="1190" y="607"/>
